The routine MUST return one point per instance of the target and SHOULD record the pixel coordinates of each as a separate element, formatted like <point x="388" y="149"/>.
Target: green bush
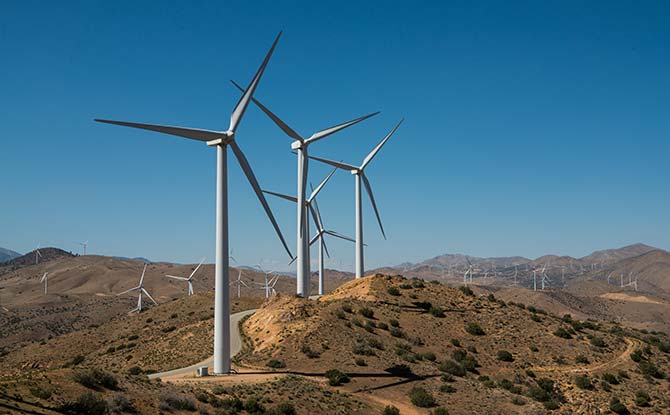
<point x="360" y="362"/>
<point x="135" y="370"/>
<point x="421" y="397"/>
<point x="474" y="329"/>
<point x="439" y="411"/>
<point x="562" y="333"/>
<point x="642" y="398"/>
<point x="536" y="318"/>
<point x="451" y="367"/>
<point x="391" y="410"/>
<point x="284" y="408"/>
<point x="394" y="323"/>
<point x="340" y="314"/>
<point x="95" y="379"/>
<point x="41" y="393"/>
<point x="647" y="367"/>
<point x="393" y="291"/>
<point x="582" y="359"/>
<point x="396" y="332"/>
<point x="583" y="382"/>
<point x="429" y="356"/>
<point x="275" y="364"/>
<point x="78" y="359"/>
<point x="447" y="388"/>
<point x="597" y="341"/>
<point x="436" y="312"/>
<point x="382" y="326"/>
<point x="347" y="308"/>
<point x="367" y="312"/>
<point x="618" y="407"/>
<point x="517" y="400"/>
<point x="336" y="377"/>
<point x="551" y="405"/>
<point x="456" y="342"/>
<point x="610" y="378"/>
<point x="466" y="290"/>
<point x="87" y="403"/>
<point x="504" y="356"/>
<point x="172" y="401"/>
<point x="312" y="354"/>
<point x="252" y="406"/>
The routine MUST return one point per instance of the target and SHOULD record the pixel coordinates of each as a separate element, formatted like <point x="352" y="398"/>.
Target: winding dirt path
<point x="620" y="359"/>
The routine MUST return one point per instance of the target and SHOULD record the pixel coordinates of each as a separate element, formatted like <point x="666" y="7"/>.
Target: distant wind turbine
<point x="239" y="282"/>
<point x="84" y="244"/>
<point x="38" y="254"/>
<point x="188" y="279"/>
<point x="359" y="175"/>
<point x="140" y="289"/>
<point x="45" y="280"/>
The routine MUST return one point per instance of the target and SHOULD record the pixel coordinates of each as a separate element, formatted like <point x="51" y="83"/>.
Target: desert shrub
<point x="393" y="291"/>
<point x="87" y="403"/>
<point x="637" y="356"/>
<point x="466" y="290"/>
<point x="360" y="362"/>
<point x="336" y="377"/>
<point x="78" y="359"/>
<point x="533" y="348"/>
<point x="284" y="408"/>
<point x="504" y="356"/>
<point x="340" y="314"/>
<point x="439" y="411"/>
<point x="530" y="373"/>
<point x="618" y="407"/>
<point x="642" y="398"/>
<point x="517" y="400"/>
<point x="538" y="394"/>
<point x="382" y="326"/>
<point x="252" y="406"/>
<point x="472" y="349"/>
<point x="401" y="370"/>
<point x="362" y="348"/>
<point x="312" y="354"/>
<point x="405" y="286"/>
<point x="505" y="384"/>
<point x="417" y="283"/>
<point x="135" y="370"/>
<point x="347" y="308"/>
<point x="429" y="356"/>
<point x="374" y="343"/>
<point x="474" y="329"/>
<point x="562" y="333"/>
<point x="648" y="368"/>
<point x="202" y="396"/>
<point x="232" y="405"/>
<point x="133" y="337"/>
<point x="391" y="410"/>
<point x="551" y="405"/>
<point x="119" y="403"/>
<point x="41" y="393"/>
<point x="370" y="326"/>
<point x="394" y="323"/>
<point x="95" y="379"/>
<point x="356" y="322"/>
<point x="610" y="378"/>
<point x="436" y="312"/>
<point x="367" y="312"/>
<point x="582" y="359"/>
<point x="447" y="388"/>
<point x="110" y="349"/>
<point x="456" y="342"/>
<point x="169" y="329"/>
<point x="597" y="341"/>
<point x="417" y="341"/>
<point x="397" y="332"/>
<point x="421" y="397"/>
<point x="583" y="382"/>
<point x="275" y="364"/>
<point x="451" y="367"/>
<point x="172" y="401"/>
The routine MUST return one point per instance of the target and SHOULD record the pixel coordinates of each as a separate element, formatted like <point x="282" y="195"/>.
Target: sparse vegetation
<point x="642" y="398"/>
<point x="421" y="397"/>
<point x="597" y="341"/>
<point x="562" y="333"/>
<point x="466" y="290"/>
<point x="367" y="312"/>
<point x="474" y="329"/>
<point x="436" y="312"/>
<point x="583" y="382"/>
<point x="275" y="364"/>
<point x="391" y="410"/>
<point x="504" y="356"/>
<point x="309" y="352"/>
<point x="581" y="359"/>
<point x="618" y="407"/>
<point x="394" y="323"/>
<point x="336" y="377"/>
<point x="394" y="291"/>
<point x="85" y="404"/>
<point x="96" y="379"/>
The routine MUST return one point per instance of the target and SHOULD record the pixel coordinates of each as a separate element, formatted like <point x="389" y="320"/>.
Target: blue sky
<point x="531" y="127"/>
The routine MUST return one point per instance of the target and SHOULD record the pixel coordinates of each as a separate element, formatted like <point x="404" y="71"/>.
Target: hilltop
<point x="7" y="254"/>
<point x="390" y="334"/>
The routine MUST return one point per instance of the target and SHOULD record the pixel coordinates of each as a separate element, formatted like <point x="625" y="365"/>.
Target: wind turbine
<point x="38" y="254"/>
<point x="301" y="145"/>
<point x="516" y="272"/>
<point x="545" y="277"/>
<point x="45" y="280"/>
<point x="189" y="280"/>
<point x="222" y="140"/>
<point x="140" y="289"/>
<point x="239" y="283"/>
<point x="84" y="244"/>
<point x="468" y="272"/>
<point x="359" y="174"/>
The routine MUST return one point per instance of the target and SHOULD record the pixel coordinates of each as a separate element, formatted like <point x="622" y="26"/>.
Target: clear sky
<point x="531" y="127"/>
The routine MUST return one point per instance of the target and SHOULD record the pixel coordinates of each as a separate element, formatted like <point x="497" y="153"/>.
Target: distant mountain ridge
<point x="7" y="254"/>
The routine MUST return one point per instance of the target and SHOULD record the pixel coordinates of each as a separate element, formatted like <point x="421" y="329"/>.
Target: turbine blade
<point x="338" y="164"/>
<point x="127" y="291"/>
<point x="142" y="277"/>
<point x="314" y="238"/>
<point x="375" y="150"/>
<point x="325" y="248"/>
<point x="192" y="133"/>
<point x="320" y="186"/>
<point x="319" y="225"/>
<point x="374" y="204"/>
<point x="196" y="269"/>
<point x="281" y="124"/>
<point x="149" y="295"/>
<point x="242" y="104"/>
<point x="177" y="278"/>
<point x="244" y="163"/>
<point x="332" y="130"/>
<point x="318" y="212"/>
<point x="339" y="235"/>
<point x="283" y="196"/>
<point x="44" y="277"/>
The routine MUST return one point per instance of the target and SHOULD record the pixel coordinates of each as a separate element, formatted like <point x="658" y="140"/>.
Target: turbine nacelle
<point x="228" y="137"/>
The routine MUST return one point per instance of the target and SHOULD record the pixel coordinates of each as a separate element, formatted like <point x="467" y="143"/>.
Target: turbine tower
<point x="189" y="280"/>
<point x="140" y="289"/>
<point x="45" y="280"/>
<point x="301" y="145"/>
<point x="38" y="254"/>
<point x="359" y="175"/>
<point x="239" y="282"/>
<point x="222" y="140"/>
<point x="84" y="245"/>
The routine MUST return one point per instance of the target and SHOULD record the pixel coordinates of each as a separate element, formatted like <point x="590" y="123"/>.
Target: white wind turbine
<point x="38" y="254"/>
<point x="239" y="282"/>
<point x="84" y="245"/>
<point x="468" y="273"/>
<point x="140" y="289"/>
<point x="359" y="175"/>
<point x="45" y="280"/>
<point x="222" y="140"/>
<point x="545" y="277"/>
<point x="301" y="145"/>
<point x="188" y="279"/>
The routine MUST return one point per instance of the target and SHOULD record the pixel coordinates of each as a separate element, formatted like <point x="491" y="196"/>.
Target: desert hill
<point x="31" y="258"/>
<point x="609" y="256"/>
<point x="7" y="254"/>
<point x="390" y="334"/>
